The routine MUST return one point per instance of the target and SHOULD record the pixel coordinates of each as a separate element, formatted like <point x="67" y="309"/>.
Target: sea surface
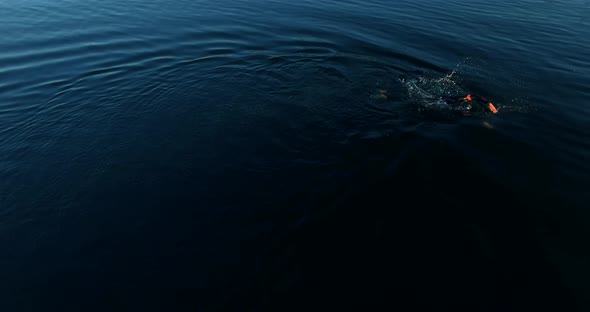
<point x="274" y="155"/>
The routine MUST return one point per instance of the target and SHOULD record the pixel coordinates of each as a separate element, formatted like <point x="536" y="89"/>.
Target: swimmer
<point x="466" y="104"/>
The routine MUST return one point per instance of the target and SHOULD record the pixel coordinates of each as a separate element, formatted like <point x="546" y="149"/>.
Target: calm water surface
<point x="273" y="155"/>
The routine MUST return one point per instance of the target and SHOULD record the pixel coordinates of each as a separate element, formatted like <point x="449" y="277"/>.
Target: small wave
<point x="423" y="90"/>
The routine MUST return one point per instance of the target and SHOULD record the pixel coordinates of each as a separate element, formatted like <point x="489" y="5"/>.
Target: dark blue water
<point x="275" y="155"/>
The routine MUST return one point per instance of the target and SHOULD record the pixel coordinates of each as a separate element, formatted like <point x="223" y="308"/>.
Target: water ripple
<point x="124" y="123"/>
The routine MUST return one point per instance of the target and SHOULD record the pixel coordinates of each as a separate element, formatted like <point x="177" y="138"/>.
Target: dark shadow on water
<point x="430" y="234"/>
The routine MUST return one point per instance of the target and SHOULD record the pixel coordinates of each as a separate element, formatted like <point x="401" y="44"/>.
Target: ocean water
<point x="272" y="155"/>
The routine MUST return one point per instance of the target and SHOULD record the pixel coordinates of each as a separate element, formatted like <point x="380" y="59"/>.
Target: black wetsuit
<point x="470" y="103"/>
<point x="447" y="106"/>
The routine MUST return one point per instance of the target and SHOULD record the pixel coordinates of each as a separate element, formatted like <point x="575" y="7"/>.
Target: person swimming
<point x="466" y="105"/>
